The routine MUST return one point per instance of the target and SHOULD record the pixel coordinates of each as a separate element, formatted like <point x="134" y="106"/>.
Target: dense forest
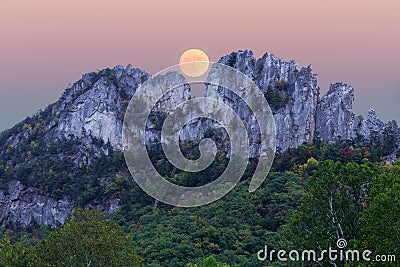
<point x="314" y="195"/>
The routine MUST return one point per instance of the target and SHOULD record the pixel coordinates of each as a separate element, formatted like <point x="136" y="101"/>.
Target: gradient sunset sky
<point x="46" y="44"/>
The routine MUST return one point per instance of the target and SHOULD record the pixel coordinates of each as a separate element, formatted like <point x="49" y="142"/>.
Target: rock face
<point x="336" y="121"/>
<point x="294" y="94"/>
<point x="334" y="116"/>
<point x="95" y="105"/>
<point x="373" y="125"/>
<point x="305" y="114"/>
<point x="23" y="206"/>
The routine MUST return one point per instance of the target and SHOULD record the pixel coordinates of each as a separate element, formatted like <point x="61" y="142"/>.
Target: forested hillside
<point x="307" y="201"/>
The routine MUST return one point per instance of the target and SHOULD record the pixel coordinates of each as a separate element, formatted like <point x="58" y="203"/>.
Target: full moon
<point x="194" y="62"/>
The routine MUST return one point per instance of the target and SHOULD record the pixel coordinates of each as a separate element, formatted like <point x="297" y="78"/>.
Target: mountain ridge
<point x="99" y="98"/>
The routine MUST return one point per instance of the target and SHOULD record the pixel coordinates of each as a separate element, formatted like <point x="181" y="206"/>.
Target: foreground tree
<point x="381" y="217"/>
<point x="209" y="262"/>
<point x="88" y="238"/>
<point x="332" y="208"/>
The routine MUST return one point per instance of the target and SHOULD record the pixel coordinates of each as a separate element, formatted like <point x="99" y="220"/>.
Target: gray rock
<point x="113" y="205"/>
<point x="96" y="109"/>
<point x="23" y="206"/>
<point x="334" y="116"/>
<point x="370" y="125"/>
<point x="295" y="121"/>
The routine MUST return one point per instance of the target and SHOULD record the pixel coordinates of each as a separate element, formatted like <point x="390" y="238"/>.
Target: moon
<point x="194" y="62"/>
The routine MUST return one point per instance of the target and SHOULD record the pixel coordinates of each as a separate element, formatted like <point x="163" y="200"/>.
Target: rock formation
<point x="93" y="109"/>
<point x="22" y="206"/>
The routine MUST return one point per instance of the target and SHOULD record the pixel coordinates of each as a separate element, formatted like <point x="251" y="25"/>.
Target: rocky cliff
<point x="23" y="206"/>
<point x="92" y="110"/>
<point x="334" y="117"/>
<point x="335" y="120"/>
<point x="94" y="105"/>
<point x="292" y="93"/>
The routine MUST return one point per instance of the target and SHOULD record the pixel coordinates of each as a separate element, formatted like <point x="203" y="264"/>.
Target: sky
<point x="46" y="44"/>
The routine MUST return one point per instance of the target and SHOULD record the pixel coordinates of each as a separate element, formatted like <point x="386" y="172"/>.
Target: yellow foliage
<point x="303" y="169"/>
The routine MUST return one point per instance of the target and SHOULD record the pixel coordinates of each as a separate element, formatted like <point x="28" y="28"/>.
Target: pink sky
<point x="46" y="44"/>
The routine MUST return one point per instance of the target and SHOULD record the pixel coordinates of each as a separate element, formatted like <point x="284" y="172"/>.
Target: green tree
<point x="88" y="238"/>
<point x="209" y="262"/>
<point x="381" y="218"/>
<point x="332" y="207"/>
<point x="11" y="255"/>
